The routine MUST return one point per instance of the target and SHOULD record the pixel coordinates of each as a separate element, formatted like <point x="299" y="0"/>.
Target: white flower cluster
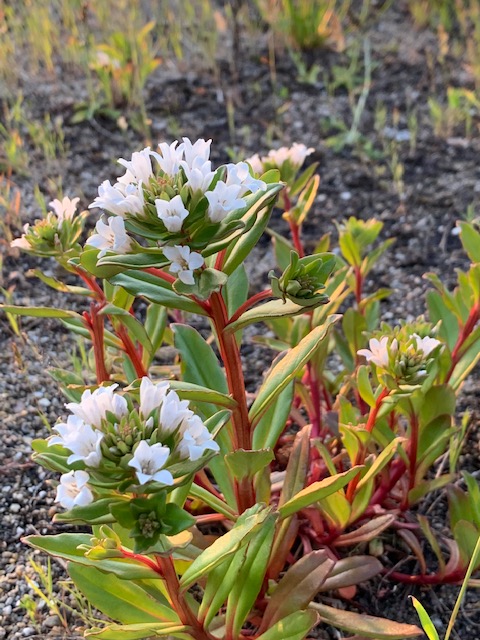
<point x="99" y="412"/>
<point x="63" y="210"/>
<point x="380" y="350"/>
<point x="185" y="171"/>
<point x="295" y="155"/>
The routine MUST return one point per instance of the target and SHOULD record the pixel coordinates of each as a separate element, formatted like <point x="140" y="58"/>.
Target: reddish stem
<point x="151" y="564"/>
<point x="452" y="578"/>
<point x="466" y="330"/>
<point x="163" y="275"/>
<point x="258" y="297"/>
<point x="372" y="416"/>
<point x="177" y="600"/>
<point x="242" y="437"/>
<point x="91" y="283"/>
<point x="131" y="351"/>
<point x="95" y="324"/>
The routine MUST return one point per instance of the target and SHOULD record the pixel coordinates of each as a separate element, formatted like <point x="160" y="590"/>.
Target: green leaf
<point x="134" y="260"/>
<point x="235" y="292"/>
<point x="316" y="491"/>
<point x="256" y="218"/>
<point x="65" y="545"/>
<point x="197" y="393"/>
<point x="287" y="369"/>
<point x="380" y="461"/>
<point x="140" y="631"/>
<point x="272" y="424"/>
<point x="97" y="512"/>
<point x="252" y="573"/>
<point x="366" y="532"/>
<point x="125" y="317"/>
<point x="121" y="600"/>
<point x="364" y="387"/>
<point x="212" y="501"/>
<point x="155" y="289"/>
<point x="366" y="626"/>
<point x="470" y="238"/>
<point x="245" y="464"/>
<point x="271" y="309"/>
<point x="294" y="627"/>
<point x="39" y="312"/>
<point x="427" y="624"/>
<point x="225" y="546"/>
<point x="199" y="363"/>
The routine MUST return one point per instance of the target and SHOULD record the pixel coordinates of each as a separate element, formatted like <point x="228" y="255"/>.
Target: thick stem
<point x="131" y="351"/>
<point x="372" y="416"/>
<point x="95" y="325"/>
<point x="177" y="601"/>
<point x="242" y="436"/>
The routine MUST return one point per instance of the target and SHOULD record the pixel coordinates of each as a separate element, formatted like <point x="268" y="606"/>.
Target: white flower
<point x="22" y="242"/>
<point x="139" y="168"/>
<point x="148" y="461"/>
<point x="169" y="157"/>
<point x="93" y="407"/>
<point x="64" y="209"/>
<point x="120" y="199"/>
<point x="199" y="151"/>
<point x="196" y="439"/>
<point x="426" y="345"/>
<point x="296" y="154"/>
<point x="379" y="351"/>
<point x="79" y="438"/>
<point x="110" y="237"/>
<point x="256" y="163"/>
<point x="151" y="395"/>
<point x="173" y="412"/>
<point x="222" y="200"/>
<point x="239" y="174"/>
<point x="171" y="212"/>
<point x="183" y="262"/>
<point x="199" y="174"/>
<point x="73" y="490"/>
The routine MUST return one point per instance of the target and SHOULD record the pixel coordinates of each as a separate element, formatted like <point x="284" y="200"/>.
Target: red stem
<point x="163" y="275"/>
<point x="177" y="600"/>
<point x="258" y="297"/>
<point x="131" y="351"/>
<point x="95" y="324"/>
<point x="242" y="437"/>
<point x="467" y="329"/>
<point x="453" y="578"/>
<point x="372" y="416"/>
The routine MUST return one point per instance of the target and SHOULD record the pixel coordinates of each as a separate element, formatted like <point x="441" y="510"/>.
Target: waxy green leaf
<point x="287" y="369"/>
<point x="294" y="627"/>
<point x="141" y="631"/>
<point x="245" y="464"/>
<point x="316" y="491"/>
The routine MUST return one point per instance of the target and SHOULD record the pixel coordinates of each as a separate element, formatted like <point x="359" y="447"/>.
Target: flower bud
<point x="303" y="279"/>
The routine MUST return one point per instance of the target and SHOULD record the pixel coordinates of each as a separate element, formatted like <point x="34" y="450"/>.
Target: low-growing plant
<point x="217" y="511"/>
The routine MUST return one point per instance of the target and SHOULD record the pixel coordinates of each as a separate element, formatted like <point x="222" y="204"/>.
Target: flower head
<point x="295" y="154"/>
<point x="93" y="406"/>
<point x="183" y="262"/>
<point x="139" y="168"/>
<point x="426" y="345"/>
<point x="379" y="352"/>
<point x="171" y="212"/>
<point x="256" y="163"/>
<point x="151" y="395"/>
<point x="169" y="157"/>
<point x="239" y="174"/>
<point x="81" y="439"/>
<point x="120" y="199"/>
<point x="199" y="174"/>
<point x="148" y="461"/>
<point x="73" y="490"/>
<point x="64" y="209"/>
<point x="196" y="439"/>
<point x="110" y="237"/>
<point x="223" y="199"/>
<point x="198" y="152"/>
<point x="173" y="412"/>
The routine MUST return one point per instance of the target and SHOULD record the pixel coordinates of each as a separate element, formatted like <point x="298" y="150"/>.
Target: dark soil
<point x="441" y="178"/>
